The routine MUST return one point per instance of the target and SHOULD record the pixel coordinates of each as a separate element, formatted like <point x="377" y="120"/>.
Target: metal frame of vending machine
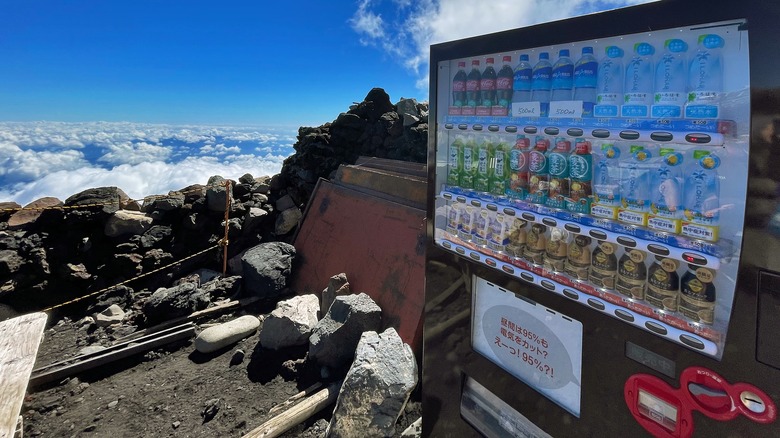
<point x="636" y="292"/>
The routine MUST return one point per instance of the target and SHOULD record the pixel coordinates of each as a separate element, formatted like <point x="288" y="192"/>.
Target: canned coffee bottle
<point x="536" y="244"/>
<point x="697" y="294"/>
<point x="663" y="284"/>
<point x="632" y="274"/>
<point x="578" y="258"/>
<point x="603" y="265"/>
<point x="518" y="235"/>
<point x="556" y="250"/>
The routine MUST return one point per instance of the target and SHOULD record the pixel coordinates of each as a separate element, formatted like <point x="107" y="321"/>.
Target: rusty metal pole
<point x="225" y="239"/>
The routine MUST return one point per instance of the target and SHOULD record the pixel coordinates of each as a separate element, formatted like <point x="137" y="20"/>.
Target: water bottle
<point x="541" y="81"/>
<point x="705" y="79"/>
<point x="562" y="77"/>
<point x="670" y="81"/>
<point x="585" y="81"/>
<point x="610" y="84"/>
<point x="638" y="86"/>
<point x="701" y="196"/>
<point x="522" y="80"/>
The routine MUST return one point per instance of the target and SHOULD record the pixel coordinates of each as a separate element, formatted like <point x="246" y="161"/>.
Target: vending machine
<point x="603" y="252"/>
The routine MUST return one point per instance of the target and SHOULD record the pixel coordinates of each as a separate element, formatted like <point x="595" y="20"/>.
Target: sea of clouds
<point x="57" y="159"/>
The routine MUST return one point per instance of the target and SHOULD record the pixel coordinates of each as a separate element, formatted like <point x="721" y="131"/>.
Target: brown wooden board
<point x="20" y="338"/>
<point x="379" y="244"/>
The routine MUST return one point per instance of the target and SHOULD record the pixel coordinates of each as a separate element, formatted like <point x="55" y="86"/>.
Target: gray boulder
<point x="407" y="107"/>
<point x="216" y="193"/>
<point x="253" y="219"/>
<point x="228" y="333"/>
<point x="266" y="268"/>
<point x="337" y="285"/>
<point x="111" y="198"/>
<point x="10" y="262"/>
<point x="22" y="218"/>
<point x="335" y="336"/>
<point x="290" y="323"/>
<point x="112" y="315"/>
<point x="173" y="201"/>
<point x="169" y="303"/>
<point x="287" y="220"/>
<point x="127" y="222"/>
<point x="376" y="387"/>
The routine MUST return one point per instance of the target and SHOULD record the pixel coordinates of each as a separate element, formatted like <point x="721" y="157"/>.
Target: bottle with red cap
<point x="487" y="84"/>
<point x="473" y="96"/>
<point x="459" y="87"/>
<point x="504" y="83"/>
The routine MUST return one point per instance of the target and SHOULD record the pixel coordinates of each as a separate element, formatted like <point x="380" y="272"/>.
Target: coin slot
<point x="752" y="402"/>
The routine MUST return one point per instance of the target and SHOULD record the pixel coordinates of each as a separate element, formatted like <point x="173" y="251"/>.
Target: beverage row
<point x="670" y="85"/>
<point x="660" y="282"/>
<point x="670" y="189"/>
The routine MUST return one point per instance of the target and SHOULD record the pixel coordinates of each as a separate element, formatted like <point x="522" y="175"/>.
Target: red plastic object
<point x="667" y="412"/>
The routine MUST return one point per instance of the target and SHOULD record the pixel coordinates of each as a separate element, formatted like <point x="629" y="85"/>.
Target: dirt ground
<point x="164" y="393"/>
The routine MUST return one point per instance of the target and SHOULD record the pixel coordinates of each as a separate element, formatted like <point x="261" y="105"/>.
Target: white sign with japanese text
<point x="538" y="345"/>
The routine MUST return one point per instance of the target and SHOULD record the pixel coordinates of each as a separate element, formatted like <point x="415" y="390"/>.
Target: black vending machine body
<point x="606" y="264"/>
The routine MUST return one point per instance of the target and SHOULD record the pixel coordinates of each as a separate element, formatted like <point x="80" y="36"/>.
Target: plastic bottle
<point x="562" y="77"/>
<point x="671" y="81"/>
<point x="469" y="163"/>
<point x="610" y="84"/>
<point x="455" y="161"/>
<point x="705" y="79"/>
<point x="518" y="168"/>
<point x="541" y="82"/>
<point x="498" y="232"/>
<point x="504" y="84"/>
<point x="666" y="189"/>
<point x="484" y="157"/>
<point x="638" y="86"/>
<point x="473" y="95"/>
<point x="487" y="84"/>
<point x="632" y="274"/>
<point x="522" y="80"/>
<point x="558" y="168"/>
<point x="606" y="182"/>
<point x="538" y="172"/>
<point x="479" y="232"/>
<point x="702" y="197"/>
<point x="603" y="267"/>
<point x="697" y="295"/>
<point x="586" y="80"/>
<point x="499" y="174"/>
<point x="635" y="174"/>
<point x="459" y="86"/>
<point x="578" y="258"/>
<point x="663" y="284"/>
<point x="581" y="178"/>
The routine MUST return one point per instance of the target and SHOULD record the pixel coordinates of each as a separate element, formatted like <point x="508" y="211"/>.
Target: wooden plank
<point x="396" y="187"/>
<point x="297" y="414"/>
<point x="380" y="245"/>
<point x="20" y="338"/>
<point x="405" y="167"/>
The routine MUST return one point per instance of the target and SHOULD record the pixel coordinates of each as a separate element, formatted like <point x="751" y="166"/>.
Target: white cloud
<point x="367" y="23"/>
<point x="40" y="159"/>
<point x="438" y="21"/>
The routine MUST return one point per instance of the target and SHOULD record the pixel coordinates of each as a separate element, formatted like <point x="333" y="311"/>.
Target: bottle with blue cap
<point x="610" y="83"/>
<point x="585" y="80"/>
<point x="705" y="79"/>
<point x="671" y="82"/>
<point x="638" y="85"/>
<point x="562" y="77"/>
<point x="541" y="81"/>
<point x="522" y="80"/>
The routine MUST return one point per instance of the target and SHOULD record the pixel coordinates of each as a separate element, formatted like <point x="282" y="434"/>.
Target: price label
<point x="566" y="108"/>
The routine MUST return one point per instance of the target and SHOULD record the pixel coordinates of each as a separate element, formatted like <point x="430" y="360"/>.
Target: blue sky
<point x="178" y="83"/>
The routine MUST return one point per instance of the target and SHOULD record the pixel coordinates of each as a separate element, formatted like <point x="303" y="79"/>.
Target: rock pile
<point x="374" y="127"/>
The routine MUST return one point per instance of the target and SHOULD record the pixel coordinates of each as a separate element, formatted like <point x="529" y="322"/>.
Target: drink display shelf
<point x="695" y="132"/>
<point x="697" y="337"/>
<point x="686" y="250"/>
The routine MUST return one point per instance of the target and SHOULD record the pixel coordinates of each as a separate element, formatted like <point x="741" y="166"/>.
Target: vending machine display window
<point x="612" y="172"/>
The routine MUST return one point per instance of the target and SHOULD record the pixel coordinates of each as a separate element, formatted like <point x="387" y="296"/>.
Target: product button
<point x="527" y="277"/>
<point x="476" y="127"/>
<point x="692" y="342"/>
<point x="548" y="285"/>
<point x="476" y="203"/>
<point x="629" y="135"/>
<point x="694" y="258"/>
<point x="509" y="211"/>
<point x="493" y="128"/>
<point x="511" y="129"/>
<point x="530" y="129"/>
<point x="599" y="235"/>
<point x="490" y="262"/>
<point x="596" y="304"/>
<point x="448" y="126"/>
<point x="658" y="249"/>
<point x="551" y="130"/>
<point x="492" y="207"/>
<point x="656" y="328"/>
<point x="461" y="199"/>
<point x="698" y="138"/>
<point x="508" y="269"/>
<point x="661" y="136"/>
<point x="600" y="133"/>
<point x="572" y="228"/>
<point x="574" y="132"/>
<point x="625" y="241"/>
<point x="447" y="196"/>
<point x="529" y="217"/>
<point x="446" y="244"/>
<point x="625" y="316"/>
<point x="571" y="294"/>
<point x="463" y="126"/>
<point x="550" y="222"/>
<point x="474" y="255"/>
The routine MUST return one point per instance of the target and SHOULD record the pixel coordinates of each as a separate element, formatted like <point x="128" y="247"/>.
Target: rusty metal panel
<point x="379" y="244"/>
<point x="405" y="189"/>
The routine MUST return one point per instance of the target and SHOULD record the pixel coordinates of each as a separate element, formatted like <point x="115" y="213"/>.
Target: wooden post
<point x="296" y="414"/>
<point x="225" y="239"/>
